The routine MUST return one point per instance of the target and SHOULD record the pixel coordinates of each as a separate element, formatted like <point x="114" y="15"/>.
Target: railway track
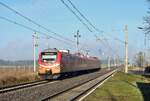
<point x="55" y="90"/>
<point x="79" y="92"/>
<point x="21" y="86"/>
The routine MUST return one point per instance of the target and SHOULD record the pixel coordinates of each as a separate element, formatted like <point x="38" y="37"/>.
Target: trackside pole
<point x="126" y="49"/>
<point x="34" y="51"/>
<point x="108" y="62"/>
<point x="77" y="36"/>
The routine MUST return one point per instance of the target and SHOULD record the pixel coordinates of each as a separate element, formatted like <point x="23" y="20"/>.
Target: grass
<point x="10" y="77"/>
<point x="135" y="68"/>
<point x="123" y="87"/>
<point x="104" y="65"/>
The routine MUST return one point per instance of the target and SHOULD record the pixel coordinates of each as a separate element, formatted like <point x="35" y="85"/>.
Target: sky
<point x="109" y="16"/>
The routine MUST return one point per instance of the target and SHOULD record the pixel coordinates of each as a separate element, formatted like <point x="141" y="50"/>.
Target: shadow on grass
<point x="145" y="90"/>
<point x="147" y="76"/>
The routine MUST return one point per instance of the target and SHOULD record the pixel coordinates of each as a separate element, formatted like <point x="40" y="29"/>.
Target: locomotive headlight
<point x="57" y="65"/>
<point x="47" y="69"/>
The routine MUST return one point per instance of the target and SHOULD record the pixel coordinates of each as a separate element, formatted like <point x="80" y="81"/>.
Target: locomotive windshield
<point x="49" y="56"/>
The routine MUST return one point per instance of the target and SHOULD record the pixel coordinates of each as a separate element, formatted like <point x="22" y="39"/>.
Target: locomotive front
<point x="49" y="62"/>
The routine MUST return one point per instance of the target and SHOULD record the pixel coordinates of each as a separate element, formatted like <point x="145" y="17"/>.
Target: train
<point x="54" y="63"/>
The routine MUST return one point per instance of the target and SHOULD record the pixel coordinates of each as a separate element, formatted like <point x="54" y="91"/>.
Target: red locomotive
<point x="54" y="63"/>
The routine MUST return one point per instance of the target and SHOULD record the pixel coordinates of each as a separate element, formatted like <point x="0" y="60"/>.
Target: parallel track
<point x="54" y="97"/>
<point x="21" y="86"/>
<point x="88" y="91"/>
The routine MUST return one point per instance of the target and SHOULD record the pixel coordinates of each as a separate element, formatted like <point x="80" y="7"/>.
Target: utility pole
<point x="115" y="61"/>
<point x="87" y="52"/>
<point x="118" y="61"/>
<point x="77" y="36"/>
<point x="108" y="62"/>
<point x="34" y="50"/>
<point x="126" y="49"/>
<point x="144" y="64"/>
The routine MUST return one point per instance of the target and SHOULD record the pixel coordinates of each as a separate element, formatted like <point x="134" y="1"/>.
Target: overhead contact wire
<point x="76" y="16"/>
<point x="30" y="20"/>
<point x="32" y="29"/>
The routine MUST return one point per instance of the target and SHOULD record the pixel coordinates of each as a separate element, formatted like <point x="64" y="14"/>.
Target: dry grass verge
<point x="8" y="78"/>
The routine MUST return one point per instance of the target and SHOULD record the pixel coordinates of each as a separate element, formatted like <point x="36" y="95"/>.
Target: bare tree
<point x="139" y="59"/>
<point x="147" y="21"/>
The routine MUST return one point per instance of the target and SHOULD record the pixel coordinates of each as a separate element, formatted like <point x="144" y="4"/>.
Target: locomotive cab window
<point x="49" y="56"/>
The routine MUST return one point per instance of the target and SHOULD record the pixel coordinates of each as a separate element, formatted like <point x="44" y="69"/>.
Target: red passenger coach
<point x="53" y="62"/>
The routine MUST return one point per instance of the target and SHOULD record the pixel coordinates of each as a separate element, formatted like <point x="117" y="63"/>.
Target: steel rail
<point x="21" y="86"/>
<point x="69" y="89"/>
<point x="88" y="91"/>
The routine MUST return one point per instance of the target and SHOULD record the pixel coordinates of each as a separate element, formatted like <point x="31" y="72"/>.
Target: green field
<point x="123" y="87"/>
